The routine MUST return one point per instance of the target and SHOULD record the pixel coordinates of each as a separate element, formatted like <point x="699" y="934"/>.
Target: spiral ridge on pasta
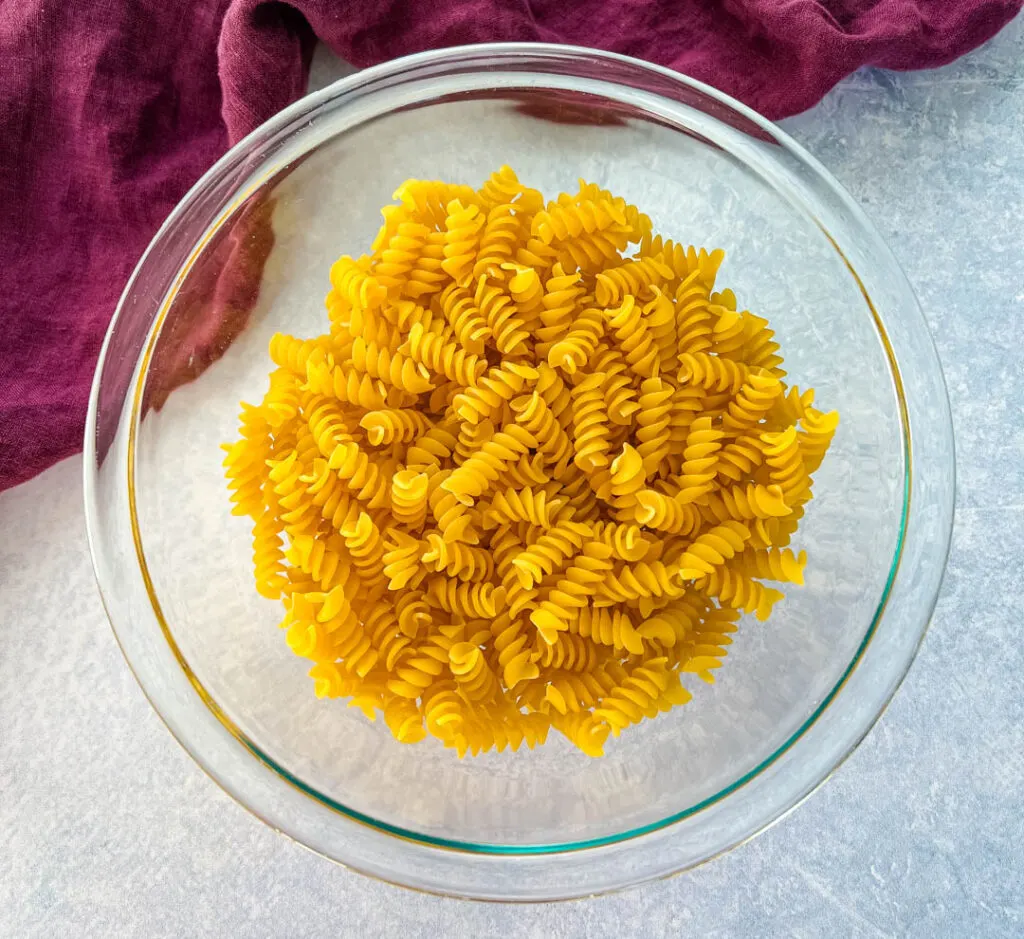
<point x="528" y="478"/>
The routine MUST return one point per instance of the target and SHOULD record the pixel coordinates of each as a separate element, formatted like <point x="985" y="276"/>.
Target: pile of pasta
<point x="532" y="475"/>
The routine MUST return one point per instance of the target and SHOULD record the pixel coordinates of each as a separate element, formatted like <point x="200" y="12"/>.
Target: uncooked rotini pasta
<point x="530" y="476"/>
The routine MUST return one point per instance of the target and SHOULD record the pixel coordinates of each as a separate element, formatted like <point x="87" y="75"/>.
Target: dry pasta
<point x="530" y="477"/>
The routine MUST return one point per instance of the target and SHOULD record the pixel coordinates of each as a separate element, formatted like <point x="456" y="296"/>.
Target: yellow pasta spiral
<point x="619" y="391"/>
<point x="653" y="419"/>
<point x="443" y="357"/>
<point x="785" y="463"/>
<point x="648" y="688"/>
<point x="713" y="548"/>
<point x="398" y="256"/>
<point x="465" y="599"/>
<point x="634" y="340"/>
<point x="458" y="560"/>
<point x="391" y="424"/>
<point x="749" y="502"/>
<point x="590" y="423"/>
<point x="700" y="460"/>
<point x="353" y="281"/>
<point x="694" y="321"/>
<point x="401" y="560"/>
<point x="474" y="476"/>
<point x="409" y="498"/>
<point x="562" y="291"/>
<point x="665" y="513"/>
<point x="570" y="652"/>
<point x="712" y="372"/>
<point x="296" y="354"/>
<point x="522" y="505"/>
<point x="633" y="277"/>
<point x="501" y="316"/>
<point x="526" y="288"/>
<point x="609" y="627"/>
<point x="393" y="368"/>
<point x="563" y="222"/>
<point x="779" y="564"/>
<point x="503" y="187"/>
<point x="579" y="582"/>
<point x="738" y="591"/>
<point x="752" y="402"/>
<point x="578" y="345"/>
<point x="498" y="241"/>
<point x="500" y="384"/>
<point x="475" y="680"/>
<point x="816" y="436"/>
<point x="463" y="227"/>
<point x="463" y="315"/>
<point x="346" y="385"/>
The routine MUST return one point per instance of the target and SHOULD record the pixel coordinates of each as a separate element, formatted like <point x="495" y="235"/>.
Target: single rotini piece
<point x="695" y="322"/>
<point x="590" y="423"/>
<point x="394" y="424"/>
<point x="463" y="228"/>
<point x="779" y="564"/>
<point x="636" y="343"/>
<point x="561" y="222"/>
<point x="815" y="437"/>
<point x="434" y="447"/>
<point x="526" y="288"/>
<point x="633" y="277"/>
<point x="523" y="479"/>
<point x="392" y="368"/>
<point x="353" y="280"/>
<point x="752" y="402"/>
<point x="466" y="599"/>
<point x="522" y="505"/>
<point x="398" y="256"/>
<point x="501" y="316"/>
<point x="409" y="492"/>
<point x="618" y="385"/>
<point x="500" y="384"/>
<point x="648" y="689"/>
<point x="785" y="462"/>
<point x="608" y="626"/>
<point x="463" y="315"/>
<point x="700" y="460"/>
<point x="476" y="475"/>
<point x="346" y="384"/>
<point x="549" y="552"/>
<point x="503" y="187"/>
<point x="458" y="560"/>
<point x="712" y="549"/>
<point x="750" y="501"/>
<point x="295" y="354"/>
<point x="572" y="592"/>
<point x="653" y="421"/>
<point x="579" y="344"/>
<point x="734" y="589"/>
<point x="427" y="200"/>
<point x="666" y="513"/>
<point x="626" y="541"/>
<point x="572" y="653"/>
<point x="562" y="292"/>
<point x="712" y="372"/>
<point x="499" y="239"/>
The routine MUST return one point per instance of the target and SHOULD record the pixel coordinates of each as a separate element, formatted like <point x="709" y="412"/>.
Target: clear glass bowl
<point x="247" y="253"/>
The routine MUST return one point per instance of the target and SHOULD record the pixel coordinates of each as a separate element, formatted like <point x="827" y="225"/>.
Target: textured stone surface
<point x="110" y="830"/>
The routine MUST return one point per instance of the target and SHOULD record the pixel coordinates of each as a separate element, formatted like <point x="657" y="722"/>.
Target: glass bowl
<point x="247" y="253"/>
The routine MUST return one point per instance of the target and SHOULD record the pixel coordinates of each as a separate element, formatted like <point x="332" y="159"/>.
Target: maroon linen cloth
<point x="111" y="109"/>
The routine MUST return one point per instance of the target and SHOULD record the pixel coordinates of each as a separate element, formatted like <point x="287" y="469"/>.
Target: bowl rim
<point x="365" y="79"/>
